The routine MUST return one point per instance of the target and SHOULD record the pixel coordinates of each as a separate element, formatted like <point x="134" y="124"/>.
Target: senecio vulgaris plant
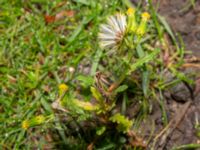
<point x="120" y="35"/>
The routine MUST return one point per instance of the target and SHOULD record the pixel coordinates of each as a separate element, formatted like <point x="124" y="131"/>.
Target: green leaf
<point x="145" y="72"/>
<point x="96" y="94"/>
<point x="108" y="146"/>
<point x="121" y="88"/>
<point x="140" y="51"/>
<point x="128" y="3"/>
<point x="46" y="105"/>
<point x="101" y="130"/>
<point x="124" y="124"/>
<point x="96" y="61"/>
<point x="166" y="26"/>
<point x="78" y="30"/>
<point x="187" y="146"/>
<point x="85" y="2"/>
<point x="85" y="105"/>
<point x="145" y="81"/>
<point x="144" y="60"/>
<point x="181" y="76"/>
<point x="85" y="81"/>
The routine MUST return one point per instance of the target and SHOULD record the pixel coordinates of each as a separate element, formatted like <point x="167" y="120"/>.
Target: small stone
<point x="180" y="93"/>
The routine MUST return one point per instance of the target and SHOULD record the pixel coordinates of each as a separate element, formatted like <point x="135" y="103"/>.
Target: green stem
<point x="131" y="46"/>
<point x="188" y="146"/>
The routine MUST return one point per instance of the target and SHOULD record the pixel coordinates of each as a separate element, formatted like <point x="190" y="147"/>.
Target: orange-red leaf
<point x="49" y="19"/>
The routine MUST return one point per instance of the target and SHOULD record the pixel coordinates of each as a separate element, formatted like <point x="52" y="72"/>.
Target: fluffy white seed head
<point x="112" y="33"/>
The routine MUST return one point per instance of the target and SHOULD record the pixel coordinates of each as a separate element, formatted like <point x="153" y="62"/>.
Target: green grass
<point x="35" y="57"/>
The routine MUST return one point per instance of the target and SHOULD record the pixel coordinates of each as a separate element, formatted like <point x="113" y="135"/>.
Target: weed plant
<point x="69" y="70"/>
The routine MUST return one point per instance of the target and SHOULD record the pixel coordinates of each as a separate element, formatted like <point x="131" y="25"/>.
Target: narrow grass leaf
<point x="96" y="61"/>
<point x="187" y="146"/>
<point x="155" y="20"/>
<point x="145" y="81"/>
<point x="84" y="2"/>
<point x="124" y="102"/>
<point x="145" y="72"/>
<point x="85" y="81"/>
<point x="181" y="76"/>
<point x="46" y="105"/>
<point x="166" y="26"/>
<point x="78" y="30"/>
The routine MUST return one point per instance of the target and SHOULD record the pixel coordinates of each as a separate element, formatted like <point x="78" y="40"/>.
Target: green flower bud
<point x="143" y="24"/>
<point x="33" y="122"/>
<point x="132" y="24"/>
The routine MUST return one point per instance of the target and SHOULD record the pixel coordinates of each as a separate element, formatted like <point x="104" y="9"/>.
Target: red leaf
<point x="49" y="19"/>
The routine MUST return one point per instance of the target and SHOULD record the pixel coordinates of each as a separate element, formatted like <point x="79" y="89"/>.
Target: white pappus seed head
<point x="112" y="33"/>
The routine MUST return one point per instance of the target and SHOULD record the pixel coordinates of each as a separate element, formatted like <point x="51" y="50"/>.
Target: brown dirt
<point x="183" y="114"/>
<point x="184" y="19"/>
<point x="182" y="102"/>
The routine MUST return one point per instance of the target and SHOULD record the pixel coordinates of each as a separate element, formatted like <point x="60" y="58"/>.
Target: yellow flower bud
<point x="142" y="27"/>
<point x="62" y="88"/>
<point x="141" y="30"/>
<point x="145" y="16"/>
<point x="25" y="124"/>
<point x="39" y="119"/>
<point x="130" y="11"/>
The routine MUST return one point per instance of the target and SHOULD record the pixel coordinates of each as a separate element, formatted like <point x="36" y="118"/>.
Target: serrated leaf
<point x="124" y="124"/>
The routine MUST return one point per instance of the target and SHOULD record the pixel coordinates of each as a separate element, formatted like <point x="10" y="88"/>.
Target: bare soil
<point x="184" y="19"/>
<point x="182" y="102"/>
